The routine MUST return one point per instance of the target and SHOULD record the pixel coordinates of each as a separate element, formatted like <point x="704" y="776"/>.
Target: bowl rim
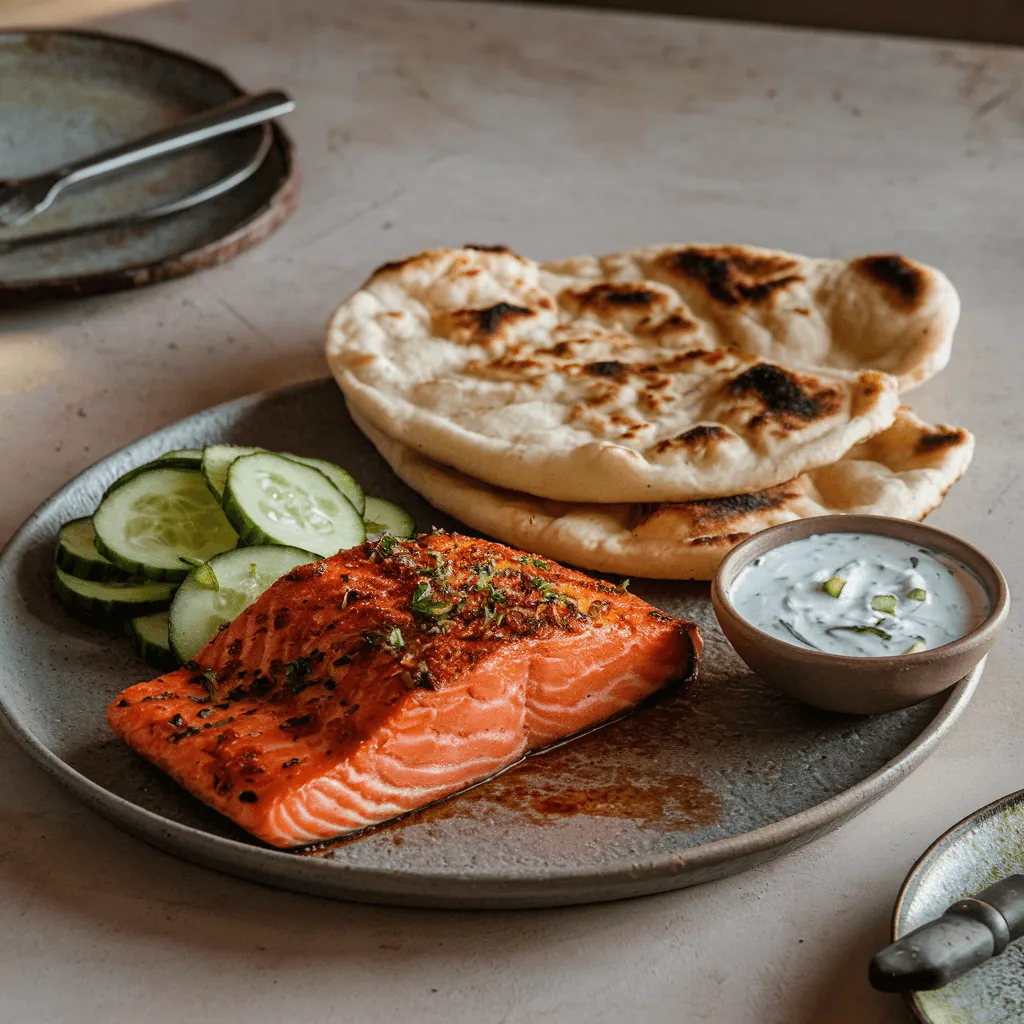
<point x="737" y="559"/>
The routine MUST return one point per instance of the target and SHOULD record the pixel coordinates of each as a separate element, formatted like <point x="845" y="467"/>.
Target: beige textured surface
<point x="666" y="373"/>
<point x="904" y="471"/>
<point x="553" y="132"/>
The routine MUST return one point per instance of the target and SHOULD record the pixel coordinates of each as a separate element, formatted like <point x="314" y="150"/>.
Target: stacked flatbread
<point x="641" y="413"/>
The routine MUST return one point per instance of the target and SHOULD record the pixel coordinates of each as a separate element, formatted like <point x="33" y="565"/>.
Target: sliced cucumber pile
<point x="273" y="500"/>
<point x="208" y="600"/>
<point x="77" y="554"/>
<point x="383" y="516"/>
<point x="149" y="637"/>
<point x="153" y="524"/>
<point x="181" y="545"/>
<point x="217" y="461"/>
<point x="341" y="478"/>
<point x="111" y="600"/>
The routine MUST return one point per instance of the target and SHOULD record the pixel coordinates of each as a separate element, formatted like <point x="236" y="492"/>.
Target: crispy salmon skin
<point x="392" y="675"/>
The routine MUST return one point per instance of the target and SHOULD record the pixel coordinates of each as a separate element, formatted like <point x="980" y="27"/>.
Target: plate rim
<point x="244" y="235"/>
<point x="924" y="863"/>
<point x="447" y="889"/>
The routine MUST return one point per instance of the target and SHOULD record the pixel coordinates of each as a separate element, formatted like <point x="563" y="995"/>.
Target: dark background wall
<point x="1000" y="21"/>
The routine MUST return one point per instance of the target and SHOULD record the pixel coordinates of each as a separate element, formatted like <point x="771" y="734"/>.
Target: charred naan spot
<point x="563" y="350"/>
<point x="732" y="275"/>
<point x="904" y="282"/>
<point x="783" y="396"/>
<point x="474" y="325"/>
<point x="608" y="368"/>
<point x="490" y="319"/>
<point x="725" y="540"/>
<point x="674" y="323"/>
<point x="682" y="360"/>
<point x="600" y="295"/>
<point x="601" y="395"/>
<point x="488" y="248"/>
<point x="695" y="438"/>
<point x="717" y="510"/>
<point x="928" y="443"/>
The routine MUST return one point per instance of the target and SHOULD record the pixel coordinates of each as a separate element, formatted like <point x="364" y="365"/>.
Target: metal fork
<point x="21" y="199"/>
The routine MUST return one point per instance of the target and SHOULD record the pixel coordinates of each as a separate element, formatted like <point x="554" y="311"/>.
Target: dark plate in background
<point x="65" y="95"/>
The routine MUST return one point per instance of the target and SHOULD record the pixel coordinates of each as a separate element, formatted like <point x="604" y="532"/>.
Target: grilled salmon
<point x="394" y="674"/>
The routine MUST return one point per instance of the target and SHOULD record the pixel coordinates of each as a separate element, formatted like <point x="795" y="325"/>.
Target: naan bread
<point x="903" y="472"/>
<point x="665" y="373"/>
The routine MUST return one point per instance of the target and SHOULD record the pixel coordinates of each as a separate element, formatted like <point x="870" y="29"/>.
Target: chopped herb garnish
<point x="202" y="573"/>
<point x="624" y="585"/>
<point x="395" y="638"/>
<point x="423" y="602"/>
<point x="834" y="586"/>
<point x="537" y="563"/>
<point x="547" y="591"/>
<point x="295" y="673"/>
<point x="386" y="543"/>
<point x="789" y="627"/>
<point x="441" y="567"/>
<point x="861" y="629"/>
<point x="918" y="594"/>
<point x="884" y="603"/>
<point x="917" y="645"/>
<point x="492" y="615"/>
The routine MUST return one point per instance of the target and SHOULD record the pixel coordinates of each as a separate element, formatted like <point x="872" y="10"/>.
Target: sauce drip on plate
<point x="860" y="594"/>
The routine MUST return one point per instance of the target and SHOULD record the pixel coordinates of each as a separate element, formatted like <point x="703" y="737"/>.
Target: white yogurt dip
<point x="860" y="594"/>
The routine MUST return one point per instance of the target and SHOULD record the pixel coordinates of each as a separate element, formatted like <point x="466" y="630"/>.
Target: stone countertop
<point x="554" y="132"/>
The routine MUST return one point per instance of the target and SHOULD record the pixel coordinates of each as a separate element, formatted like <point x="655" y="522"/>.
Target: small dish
<point x="858" y="685"/>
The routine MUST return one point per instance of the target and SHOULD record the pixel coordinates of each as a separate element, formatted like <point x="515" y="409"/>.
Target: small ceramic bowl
<point x="857" y="685"/>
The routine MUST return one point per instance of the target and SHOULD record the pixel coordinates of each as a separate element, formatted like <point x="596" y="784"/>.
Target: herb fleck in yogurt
<point x="860" y="594"/>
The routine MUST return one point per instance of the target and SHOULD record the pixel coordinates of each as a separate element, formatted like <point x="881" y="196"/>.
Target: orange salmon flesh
<point x="392" y="675"/>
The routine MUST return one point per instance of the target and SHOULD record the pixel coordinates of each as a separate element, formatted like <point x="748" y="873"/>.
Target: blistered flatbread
<point x="664" y="373"/>
<point x="904" y="472"/>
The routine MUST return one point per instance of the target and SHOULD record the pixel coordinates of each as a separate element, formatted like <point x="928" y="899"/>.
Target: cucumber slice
<point x="192" y="456"/>
<point x="217" y="459"/>
<point x="382" y="515"/>
<point x="197" y="612"/>
<point x="147" y="524"/>
<point x="269" y="499"/>
<point x="112" y="599"/>
<point x="341" y="478"/>
<point x="149" y="638"/>
<point x="77" y="554"/>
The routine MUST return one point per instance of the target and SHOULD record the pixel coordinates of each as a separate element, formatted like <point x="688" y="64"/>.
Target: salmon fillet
<point x="392" y="675"/>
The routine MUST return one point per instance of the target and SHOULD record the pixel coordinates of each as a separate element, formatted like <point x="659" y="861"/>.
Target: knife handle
<point x="970" y="932"/>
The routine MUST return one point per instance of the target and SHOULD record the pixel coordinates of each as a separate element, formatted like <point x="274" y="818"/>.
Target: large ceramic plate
<point x="983" y="848"/>
<point x="66" y="95"/>
<point x="713" y="779"/>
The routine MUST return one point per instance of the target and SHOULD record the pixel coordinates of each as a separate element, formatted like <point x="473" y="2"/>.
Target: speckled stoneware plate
<point x="986" y="846"/>
<point x="65" y="95"/>
<point x="712" y="779"/>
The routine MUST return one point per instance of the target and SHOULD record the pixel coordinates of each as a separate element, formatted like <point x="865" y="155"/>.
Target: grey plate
<point x="713" y="779"/>
<point x="978" y="851"/>
<point x="65" y="95"/>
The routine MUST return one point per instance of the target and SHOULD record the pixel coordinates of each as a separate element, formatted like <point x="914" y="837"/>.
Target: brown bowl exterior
<point x="857" y="685"/>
